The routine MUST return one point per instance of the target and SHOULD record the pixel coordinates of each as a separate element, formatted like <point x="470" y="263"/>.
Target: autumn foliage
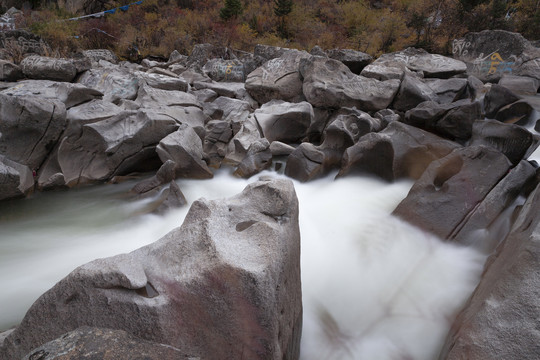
<point x="156" y="27"/>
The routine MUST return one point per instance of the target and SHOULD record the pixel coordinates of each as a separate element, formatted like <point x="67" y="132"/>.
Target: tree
<point x="232" y="8"/>
<point x="282" y="8"/>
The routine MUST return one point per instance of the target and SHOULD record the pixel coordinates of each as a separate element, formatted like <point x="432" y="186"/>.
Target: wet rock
<point x="240" y="143"/>
<point x="305" y="163"/>
<point x="70" y="94"/>
<point x="515" y="113"/>
<point x="93" y="343"/>
<point x="500" y="319"/>
<point x="184" y="148"/>
<point x="225" y="285"/>
<point x="283" y="121"/>
<point x="475" y="88"/>
<point x="329" y="83"/>
<point x="354" y="60"/>
<point x="512" y="140"/>
<point x="412" y="92"/>
<point x="280" y="149"/>
<point x="16" y="180"/>
<point x="453" y="121"/>
<point x="45" y="68"/>
<point x="30" y="126"/>
<point x="115" y="83"/>
<point x="451" y="188"/>
<point x="257" y="159"/>
<point x="173" y="199"/>
<point x="497" y="97"/>
<point x="278" y="78"/>
<point x="10" y="71"/>
<point x="164" y="175"/>
<point x="399" y="151"/>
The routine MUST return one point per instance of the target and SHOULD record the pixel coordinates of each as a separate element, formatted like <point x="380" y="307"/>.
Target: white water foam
<point x="373" y="286"/>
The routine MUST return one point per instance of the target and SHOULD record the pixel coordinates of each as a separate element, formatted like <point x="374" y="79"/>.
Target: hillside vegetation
<point x="156" y="27"/>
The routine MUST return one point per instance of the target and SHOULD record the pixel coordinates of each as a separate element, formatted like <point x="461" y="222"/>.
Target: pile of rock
<point x="408" y="114"/>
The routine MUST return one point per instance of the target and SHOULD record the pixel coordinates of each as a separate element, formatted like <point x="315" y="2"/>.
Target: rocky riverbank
<point x="461" y="127"/>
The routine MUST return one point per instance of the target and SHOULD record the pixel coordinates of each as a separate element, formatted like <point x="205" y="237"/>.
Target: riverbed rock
<point x="278" y="78"/>
<point x="257" y="159"/>
<point x="497" y="97"/>
<point x="216" y="142"/>
<point x="521" y="85"/>
<point x="184" y="147"/>
<point x="29" y="128"/>
<point x="10" y="71"/>
<point x="234" y="111"/>
<point x="16" y="180"/>
<point x="514" y="141"/>
<point x="283" y="121"/>
<point x="95" y="55"/>
<point x="150" y="97"/>
<point x="451" y="188"/>
<point x="164" y="175"/>
<point x="68" y="93"/>
<point x="453" y="121"/>
<point x="399" y="151"/>
<point x="164" y="82"/>
<point x="280" y="149"/>
<point x="240" y="143"/>
<point x="329" y="83"/>
<point x="225" y="70"/>
<point x="353" y="59"/>
<point x="106" y="344"/>
<point x="305" y="163"/>
<point x="412" y="92"/>
<point x="45" y="68"/>
<point x="447" y="90"/>
<point x="515" y="113"/>
<point x="225" y="285"/>
<point x="116" y="83"/>
<point x="500" y="319"/>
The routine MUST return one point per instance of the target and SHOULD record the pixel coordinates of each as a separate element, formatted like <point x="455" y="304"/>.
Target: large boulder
<point x="95" y="55"/>
<point x="164" y="82"/>
<point x="257" y="159"/>
<point x="283" y="121"/>
<point x="30" y="126"/>
<point x="399" y="151"/>
<point x="305" y="163"/>
<point x="16" y="180"/>
<point x="500" y="320"/>
<point x="278" y="78"/>
<point x="216" y="141"/>
<point x="91" y="343"/>
<point x="68" y="93"/>
<point x="240" y="143"/>
<point x="225" y="70"/>
<point x="150" y="97"/>
<point x="496" y="98"/>
<point x="45" y="68"/>
<point x="329" y="83"/>
<point x="116" y="83"/>
<point x="451" y="188"/>
<point x="353" y="59"/>
<point x="448" y="90"/>
<point x="184" y="147"/>
<point x="10" y="71"/>
<point x="490" y="54"/>
<point x="412" y="92"/>
<point x="225" y="285"/>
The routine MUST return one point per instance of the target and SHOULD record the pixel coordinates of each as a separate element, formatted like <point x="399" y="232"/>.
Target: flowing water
<point x="373" y="286"/>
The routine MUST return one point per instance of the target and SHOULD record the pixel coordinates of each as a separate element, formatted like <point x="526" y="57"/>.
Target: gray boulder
<point x="329" y="83"/>
<point x="518" y="112"/>
<point x="280" y="149"/>
<point x="68" y="93"/>
<point x="305" y="163"/>
<point x="91" y="343"/>
<point x="216" y="142"/>
<point x="95" y="55"/>
<point x="225" y="70"/>
<point x="30" y="126"/>
<point x="497" y="97"/>
<point x="268" y="52"/>
<point x="184" y="147"/>
<point x="234" y="111"/>
<point x="163" y="82"/>
<point x="150" y="97"/>
<point x="399" y="151"/>
<point x="225" y="285"/>
<point x="240" y="143"/>
<point x="283" y="121"/>
<point x="353" y="59"/>
<point x="412" y="92"/>
<point x="16" y="180"/>
<point x="45" y="68"/>
<point x="448" y="90"/>
<point x="257" y="159"/>
<point x="500" y="320"/>
<point x="521" y="85"/>
<point x="164" y="175"/>
<point x="115" y="83"/>
<point x="278" y="78"/>
<point x="10" y="71"/>
<point x="451" y="188"/>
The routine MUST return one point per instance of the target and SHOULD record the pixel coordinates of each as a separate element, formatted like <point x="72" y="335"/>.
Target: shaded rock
<point x="115" y="83"/>
<point x="412" y="92"/>
<point x="115" y="146"/>
<point x="240" y="143"/>
<point x="151" y="98"/>
<point x="475" y="88"/>
<point x="216" y="141"/>
<point x="451" y="188"/>
<point x="383" y="72"/>
<point x="16" y="180"/>
<point x="399" y="151"/>
<point x="278" y="78"/>
<point x="472" y="230"/>
<point x="283" y="121"/>
<point x="280" y="149"/>
<point x="500" y="319"/>
<point x="229" y="89"/>
<point x="387" y="116"/>
<point x="497" y="97"/>
<point x="230" y="275"/>
<point x="490" y="54"/>
<point x="453" y="121"/>
<point x="320" y="120"/>
<point x="189" y="115"/>
<point x="176" y="57"/>
<point x="512" y="140"/>
<point x="234" y="111"/>
<point x="354" y="60"/>
<point x="164" y="175"/>
<point x="201" y="53"/>
<point x="70" y="94"/>
<point x="447" y="90"/>
<point x="305" y="163"/>
<point x="164" y="82"/>
<point x="225" y="70"/>
<point x="184" y="147"/>
<point x="89" y="112"/>
<point x="329" y="83"/>
<point x="174" y="198"/>
<point x="103" y="344"/>
<point x="30" y="126"/>
<point x="268" y="52"/>
<point x="205" y="95"/>
<point x="515" y="113"/>
<point x="318" y="51"/>
<point x="45" y="68"/>
<point x="520" y="84"/>
<point x="257" y="159"/>
<point x="10" y="71"/>
<point x="95" y="55"/>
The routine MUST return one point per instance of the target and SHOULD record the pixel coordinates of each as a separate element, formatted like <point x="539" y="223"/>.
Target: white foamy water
<point x="373" y="286"/>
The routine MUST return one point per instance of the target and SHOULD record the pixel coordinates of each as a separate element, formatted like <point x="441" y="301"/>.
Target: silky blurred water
<point x="373" y="286"/>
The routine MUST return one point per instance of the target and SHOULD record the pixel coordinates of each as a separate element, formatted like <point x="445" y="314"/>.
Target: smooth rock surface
<point x="16" y="180"/>
<point x="283" y="121"/>
<point x="46" y="68"/>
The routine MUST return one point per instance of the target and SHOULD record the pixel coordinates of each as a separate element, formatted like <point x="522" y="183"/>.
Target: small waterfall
<point x="374" y="287"/>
